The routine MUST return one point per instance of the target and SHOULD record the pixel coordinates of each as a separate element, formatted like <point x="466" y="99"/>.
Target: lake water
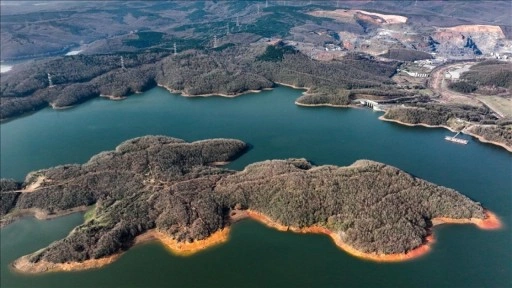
<point x="5" y="68"/>
<point x="462" y="256"/>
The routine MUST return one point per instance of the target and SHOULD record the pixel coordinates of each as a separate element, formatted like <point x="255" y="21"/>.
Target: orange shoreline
<point x="417" y="252"/>
<point x="491" y="222"/>
<point x="184" y="248"/>
<point x="22" y="265"/>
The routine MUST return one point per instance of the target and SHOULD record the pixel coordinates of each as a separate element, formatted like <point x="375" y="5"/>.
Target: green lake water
<point x="256" y="256"/>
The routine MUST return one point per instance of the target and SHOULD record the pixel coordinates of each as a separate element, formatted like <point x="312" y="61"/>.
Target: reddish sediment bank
<point x="23" y="264"/>
<point x="184" y="248"/>
<point x="415" y="253"/>
<point x="491" y="222"/>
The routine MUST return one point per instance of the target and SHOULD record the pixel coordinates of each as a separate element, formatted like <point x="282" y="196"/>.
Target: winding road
<point x="439" y="86"/>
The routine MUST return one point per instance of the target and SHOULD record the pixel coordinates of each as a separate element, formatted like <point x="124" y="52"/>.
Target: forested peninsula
<point x="231" y="70"/>
<point x="228" y="71"/>
<point x="157" y="187"/>
<point x="475" y="121"/>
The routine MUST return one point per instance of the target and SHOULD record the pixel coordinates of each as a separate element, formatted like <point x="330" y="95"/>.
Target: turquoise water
<point x="257" y="256"/>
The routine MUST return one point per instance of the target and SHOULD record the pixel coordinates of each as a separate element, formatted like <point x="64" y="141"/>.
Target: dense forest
<point x="341" y="97"/>
<point x="462" y="86"/>
<point x="440" y="114"/>
<point x="374" y="207"/>
<point x="487" y="74"/>
<point x="490" y="73"/>
<point x="164" y="183"/>
<point x="75" y="79"/>
<point x="495" y="133"/>
<point x="230" y="70"/>
<point x="322" y="97"/>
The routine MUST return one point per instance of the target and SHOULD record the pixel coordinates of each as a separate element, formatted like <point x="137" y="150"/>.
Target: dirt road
<point x="439" y="85"/>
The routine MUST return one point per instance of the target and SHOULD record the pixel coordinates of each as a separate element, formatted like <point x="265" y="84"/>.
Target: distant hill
<point x="30" y="30"/>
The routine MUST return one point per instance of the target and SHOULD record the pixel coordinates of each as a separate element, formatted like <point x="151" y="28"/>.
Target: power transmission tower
<point x="174" y="46"/>
<point x="122" y="63"/>
<point x="50" y="82"/>
<point x="215" y="41"/>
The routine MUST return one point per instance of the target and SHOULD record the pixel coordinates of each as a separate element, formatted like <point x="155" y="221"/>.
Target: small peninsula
<point x="163" y="188"/>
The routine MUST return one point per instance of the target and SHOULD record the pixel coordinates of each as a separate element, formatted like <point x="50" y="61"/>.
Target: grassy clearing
<point x="90" y="214"/>
<point x="502" y="105"/>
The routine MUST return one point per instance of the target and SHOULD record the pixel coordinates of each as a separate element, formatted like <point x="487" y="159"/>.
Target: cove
<point x="276" y="128"/>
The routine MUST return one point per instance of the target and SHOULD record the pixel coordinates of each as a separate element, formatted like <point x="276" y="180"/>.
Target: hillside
<point x="229" y="71"/>
<point x="31" y="30"/>
<point x="489" y="75"/>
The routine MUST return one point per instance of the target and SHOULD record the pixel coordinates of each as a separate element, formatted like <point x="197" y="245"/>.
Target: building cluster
<point x="415" y="74"/>
<point x="504" y="56"/>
